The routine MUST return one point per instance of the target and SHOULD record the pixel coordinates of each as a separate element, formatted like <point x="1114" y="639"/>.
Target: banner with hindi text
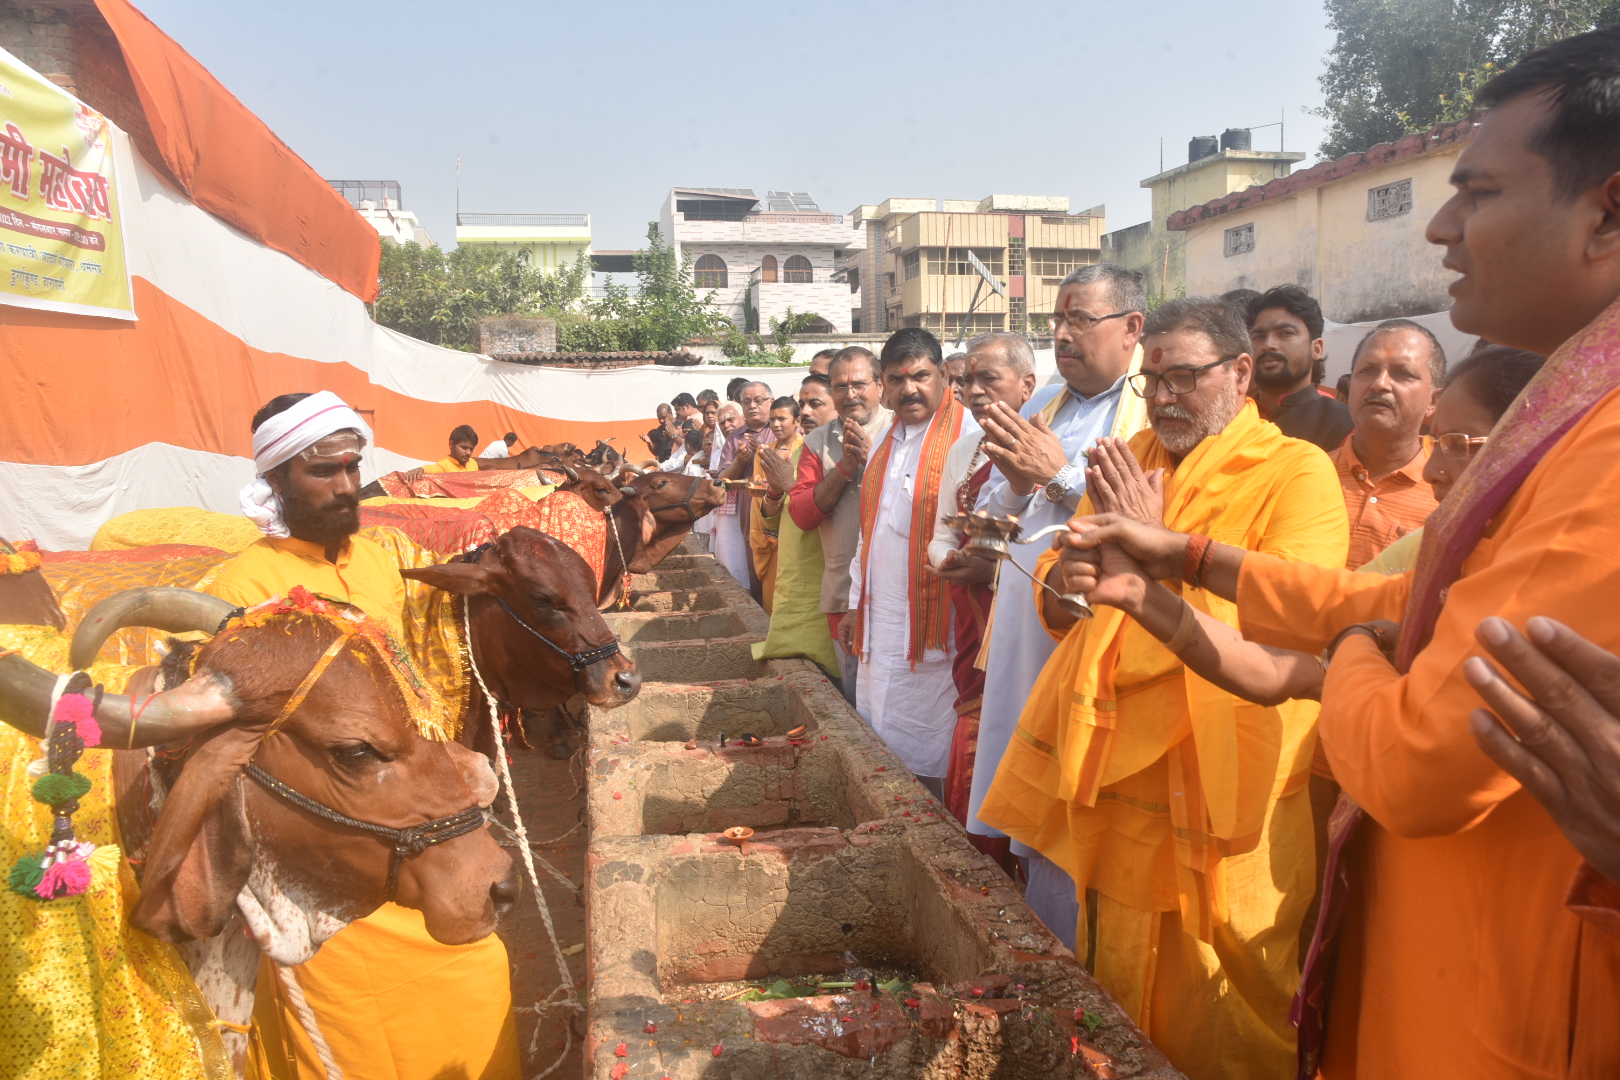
<point x="61" y="235"/>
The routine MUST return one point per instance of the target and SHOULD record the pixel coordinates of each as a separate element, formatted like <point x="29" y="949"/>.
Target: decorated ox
<point x="305" y="796"/>
<point x="26" y="597"/>
<point x="672" y="502"/>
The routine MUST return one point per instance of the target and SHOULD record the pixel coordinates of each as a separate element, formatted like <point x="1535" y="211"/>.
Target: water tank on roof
<point x="1235" y="139"/>
<point x="1202" y="146"/>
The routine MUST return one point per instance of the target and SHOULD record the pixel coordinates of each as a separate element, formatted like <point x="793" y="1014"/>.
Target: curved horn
<point x="201" y="703"/>
<point x="568" y="470"/>
<point x="628" y="492"/>
<point x="160" y="607"/>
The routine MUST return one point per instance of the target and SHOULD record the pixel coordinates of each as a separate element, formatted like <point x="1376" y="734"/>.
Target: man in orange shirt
<point x="1393" y="378"/>
<point x="1470" y="944"/>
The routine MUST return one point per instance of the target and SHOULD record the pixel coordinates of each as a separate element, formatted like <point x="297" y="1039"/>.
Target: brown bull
<point x="232" y="850"/>
<point x="670" y="503"/>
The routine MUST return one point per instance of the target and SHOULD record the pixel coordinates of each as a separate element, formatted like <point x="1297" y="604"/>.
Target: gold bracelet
<point x="1184" y="630"/>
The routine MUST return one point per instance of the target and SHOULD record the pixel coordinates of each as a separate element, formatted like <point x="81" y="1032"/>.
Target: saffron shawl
<point x="930" y="595"/>
<point x="1580" y="373"/>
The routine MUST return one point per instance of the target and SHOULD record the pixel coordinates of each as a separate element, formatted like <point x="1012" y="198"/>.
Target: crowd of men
<point x="1274" y="691"/>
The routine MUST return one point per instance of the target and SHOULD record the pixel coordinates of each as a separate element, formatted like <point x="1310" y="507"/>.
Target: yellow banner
<point x="61" y="236"/>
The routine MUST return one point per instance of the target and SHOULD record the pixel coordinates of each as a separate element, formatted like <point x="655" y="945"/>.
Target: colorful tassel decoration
<point x="67" y="867"/>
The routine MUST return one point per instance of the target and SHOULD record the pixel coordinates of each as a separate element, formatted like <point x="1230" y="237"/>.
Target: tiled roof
<point x="1325" y="172"/>
<point x="601" y="360"/>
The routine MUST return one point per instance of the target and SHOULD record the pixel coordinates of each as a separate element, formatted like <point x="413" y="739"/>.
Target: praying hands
<point x="1026" y="451"/>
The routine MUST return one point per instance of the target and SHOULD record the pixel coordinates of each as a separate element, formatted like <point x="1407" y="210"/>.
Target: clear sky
<point x="600" y="107"/>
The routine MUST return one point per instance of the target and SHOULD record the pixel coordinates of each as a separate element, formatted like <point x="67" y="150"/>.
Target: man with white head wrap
<point x="370" y="986"/>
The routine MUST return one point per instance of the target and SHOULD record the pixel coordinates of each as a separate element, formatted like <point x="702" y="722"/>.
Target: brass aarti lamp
<point x="991" y="537"/>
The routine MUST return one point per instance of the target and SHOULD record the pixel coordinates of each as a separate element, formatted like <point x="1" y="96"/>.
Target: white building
<point x="761" y="257"/>
<point x="378" y="201"/>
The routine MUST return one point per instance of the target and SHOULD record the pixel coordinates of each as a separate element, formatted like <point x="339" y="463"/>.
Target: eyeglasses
<point x="1457" y="446"/>
<point x="1080" y="324"/>
<point x="852" y="387"/>
<point x="1179" y="380"/>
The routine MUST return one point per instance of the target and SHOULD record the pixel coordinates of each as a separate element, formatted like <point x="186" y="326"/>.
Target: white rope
<point x="569" y="996"/>
<point x="306" y="1017"/>
<point x="624" y="565"/>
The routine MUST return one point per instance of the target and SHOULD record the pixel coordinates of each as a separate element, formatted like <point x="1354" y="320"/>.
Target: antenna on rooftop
<point x="999" y="288"/>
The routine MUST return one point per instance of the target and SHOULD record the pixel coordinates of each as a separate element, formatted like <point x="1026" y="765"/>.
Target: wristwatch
<point x="1058" y="487"/>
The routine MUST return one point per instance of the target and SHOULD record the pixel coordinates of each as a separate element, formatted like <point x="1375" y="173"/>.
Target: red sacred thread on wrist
<point x="839" y="465"/>
<point x="1197" y="548"/>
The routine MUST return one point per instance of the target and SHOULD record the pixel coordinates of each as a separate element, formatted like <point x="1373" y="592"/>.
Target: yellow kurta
<point x="1179" y="810"/>
<point x="798" y="625"/>
<point x="450" y="464"/>
<point x="391" y="1002"/>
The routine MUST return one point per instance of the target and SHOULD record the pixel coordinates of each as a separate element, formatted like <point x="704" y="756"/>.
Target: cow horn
<point x="204" y="702"/>
<point x="628" y="492"/>
<point x="158" y="606"/>
<point x="568" y="470"/>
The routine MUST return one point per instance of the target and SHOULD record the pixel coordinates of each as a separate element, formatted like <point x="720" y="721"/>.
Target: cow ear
<point x="467" y="579"/>
<point x="200" y="853"/>
<point x="649" y="524"/>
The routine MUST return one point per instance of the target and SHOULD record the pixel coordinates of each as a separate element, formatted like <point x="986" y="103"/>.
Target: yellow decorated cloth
<point x="364" y="575"/>
<point x="798" y="625"/>
<point x="1179" y="806"/>
<point x="176" y="525"/>
<point x="451" y="465"/>
<point x="83" y="994"/>
<point x="432" y="633"/>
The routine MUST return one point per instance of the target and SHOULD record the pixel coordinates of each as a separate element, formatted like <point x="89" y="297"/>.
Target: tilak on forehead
<point x="320" y="425"/>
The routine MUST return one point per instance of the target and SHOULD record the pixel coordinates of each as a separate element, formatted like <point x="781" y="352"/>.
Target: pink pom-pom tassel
<point x="72" y="708"/>
<point x="68" y="877"/>
<point x="89" y="731"/>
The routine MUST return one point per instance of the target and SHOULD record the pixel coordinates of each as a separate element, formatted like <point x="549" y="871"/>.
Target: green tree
<point x="748" y="350"/>
<point x="1400" y="66"/>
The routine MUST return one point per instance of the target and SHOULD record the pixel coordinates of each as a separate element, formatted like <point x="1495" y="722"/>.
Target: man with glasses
<point x="1285" y="335"/>
<point x="1394" y="375"/>
<point x="1039" y="475"/>
<point x="1180" y="809"/>
<point x="737" y="463"/>
<point x="826" y="496"/>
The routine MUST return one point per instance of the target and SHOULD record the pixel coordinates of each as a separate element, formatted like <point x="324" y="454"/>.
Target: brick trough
<point x="853" y="870"/>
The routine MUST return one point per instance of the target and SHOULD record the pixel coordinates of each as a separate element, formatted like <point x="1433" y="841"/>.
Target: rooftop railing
<point x="542" y="221"/>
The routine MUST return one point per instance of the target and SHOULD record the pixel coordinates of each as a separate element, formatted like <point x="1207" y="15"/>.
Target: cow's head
<point x="226" y="840"/>
<point x="674" y="501"/>
<point x="541" y="662"/>
<point x="25" y="596"/>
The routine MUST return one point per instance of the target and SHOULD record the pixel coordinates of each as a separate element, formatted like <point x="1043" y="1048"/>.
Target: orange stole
<point x="930" y="595"/>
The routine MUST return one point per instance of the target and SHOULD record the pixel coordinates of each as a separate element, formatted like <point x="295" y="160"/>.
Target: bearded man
<point x="1285" y="335"/>
<point x="826" y="496"/>
<point x="899" y="622"/>
<point x="1039" y="455"/>
<point x="1000" y="369"/>
<point x="732" y="529"/>
<point x="1180" y="810"/>
<point x="377" y="989"/>
<point x="1473" y="940"/>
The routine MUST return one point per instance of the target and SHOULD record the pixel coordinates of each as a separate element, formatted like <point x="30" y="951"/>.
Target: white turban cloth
<point x="283" y="437"/>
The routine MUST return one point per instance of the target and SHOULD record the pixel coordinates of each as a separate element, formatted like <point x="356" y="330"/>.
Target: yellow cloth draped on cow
<point x="1180" y="810"/>
<point x="389" y="1000"/>
<point x="176" y="525"/>
<point x="798" y="625"/>
<point x="83" y="994"/>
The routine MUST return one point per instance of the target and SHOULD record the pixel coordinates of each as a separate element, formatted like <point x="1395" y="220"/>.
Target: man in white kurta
<point x="904" y="688"/>
<point x="1040" y="477"/>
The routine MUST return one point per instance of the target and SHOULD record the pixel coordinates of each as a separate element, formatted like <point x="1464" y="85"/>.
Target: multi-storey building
<point x="379" y="203"/>
<point x="1214" y="168"/>
<point x="761" y="257"/>
<point x="551" y="240"/>
<point x="915" y="268"/>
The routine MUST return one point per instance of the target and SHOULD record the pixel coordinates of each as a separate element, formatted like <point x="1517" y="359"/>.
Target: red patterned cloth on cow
<point x="467" y="485"/>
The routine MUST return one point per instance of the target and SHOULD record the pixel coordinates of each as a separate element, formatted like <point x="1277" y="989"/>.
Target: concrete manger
<point x="853" y="930"/>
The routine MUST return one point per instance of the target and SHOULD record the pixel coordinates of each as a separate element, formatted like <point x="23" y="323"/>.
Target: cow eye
<point x="355" y="754"/>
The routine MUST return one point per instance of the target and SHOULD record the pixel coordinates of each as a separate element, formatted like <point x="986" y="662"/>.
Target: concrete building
<point x="1350" y="231"/>
<point x="550" y="239"/>
<point x="762" y="256"/>
<point x="914" y="269"/>
<point x="1215" y="167"/>
<point x="379" y="203"/>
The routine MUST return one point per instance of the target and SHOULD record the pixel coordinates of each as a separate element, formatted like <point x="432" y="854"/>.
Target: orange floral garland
<point x="19" y="562"/>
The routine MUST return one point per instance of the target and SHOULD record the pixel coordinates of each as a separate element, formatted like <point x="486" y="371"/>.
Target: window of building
<point x="955" y="262"/>
<point x="1058" y="262"/>
<point x="1240" y="239"/>
<point x="710" y="272"/>
<point x="854" y="324"/>
<point x="796" y="271"/>
<point x="767" y="268"/>
<point x="911" y="264"/>
<point x="1389" y="201"/>
<point x="970" y="325"/>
